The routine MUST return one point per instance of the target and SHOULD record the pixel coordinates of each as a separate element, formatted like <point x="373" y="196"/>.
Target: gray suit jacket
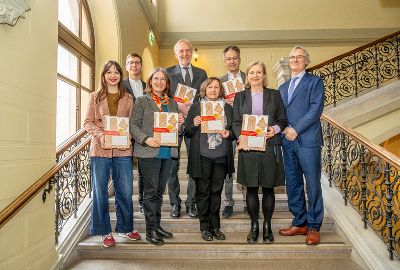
<point x="225" y="77"/>
<point x="175" y="77"/>
<point x="141" y="126"/>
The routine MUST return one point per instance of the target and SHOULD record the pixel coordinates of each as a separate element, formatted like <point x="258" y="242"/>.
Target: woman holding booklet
<point x="258" y="118"/>
<point x="107" y="115"/>
<point x="209" y="125"/>
<point x="154" y="125"/>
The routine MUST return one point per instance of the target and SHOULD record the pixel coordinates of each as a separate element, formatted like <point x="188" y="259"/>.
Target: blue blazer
<point x="305" y="109"/>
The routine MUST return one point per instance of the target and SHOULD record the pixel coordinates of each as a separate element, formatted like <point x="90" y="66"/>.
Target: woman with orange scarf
<point x="154" y="160"/>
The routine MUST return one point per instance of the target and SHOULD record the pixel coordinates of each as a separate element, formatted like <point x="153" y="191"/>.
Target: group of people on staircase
<point x="293" y="126"/>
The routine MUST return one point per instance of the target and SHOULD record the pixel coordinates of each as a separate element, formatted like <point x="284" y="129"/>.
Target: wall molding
<point x="273" y="38"/>
<point x="12" y="10"/>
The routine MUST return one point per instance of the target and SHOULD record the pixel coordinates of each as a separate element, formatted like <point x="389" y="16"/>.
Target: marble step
<point x="183" y="181"/>
<point x="239" y="222"/>
<point x="190" y="246"/>
<point x="280" y="202"/>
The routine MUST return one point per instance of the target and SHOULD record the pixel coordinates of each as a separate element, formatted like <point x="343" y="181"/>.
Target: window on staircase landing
<point x="75" y="66"/>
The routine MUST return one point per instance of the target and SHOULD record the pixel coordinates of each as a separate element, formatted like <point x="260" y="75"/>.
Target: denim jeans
<point x="121" y="172"/>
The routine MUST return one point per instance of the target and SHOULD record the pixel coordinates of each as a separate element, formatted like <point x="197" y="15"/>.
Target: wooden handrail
<point x="29" y="193"/>
<point x="375" y="149"/>
<point x="68" y="143"/>
<point x="353" y="51"/>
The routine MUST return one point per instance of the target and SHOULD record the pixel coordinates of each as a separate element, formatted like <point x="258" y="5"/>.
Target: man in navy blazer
<point x="136" y="87"/>
<point x="303" y="97"/>
<point x="184" y="73"/>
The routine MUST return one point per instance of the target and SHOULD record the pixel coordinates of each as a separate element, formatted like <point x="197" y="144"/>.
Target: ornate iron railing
<point x="361" y="69"/>
<point x="369" y="178"/>
<point x="72" y="179"/>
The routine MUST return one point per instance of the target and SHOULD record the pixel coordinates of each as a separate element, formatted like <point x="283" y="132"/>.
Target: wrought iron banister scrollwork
<point x="72" y="180"/>
<point x="363" y="68"/>
<point x="369" y="178"/>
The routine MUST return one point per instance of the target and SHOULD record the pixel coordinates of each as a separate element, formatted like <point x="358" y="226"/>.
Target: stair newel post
<point x="329" y="152"/>
<point x="389" y="205"/>
<point x="344" y="165"/>
<point x="76" y="179"/>
<point x="363" y="186"/>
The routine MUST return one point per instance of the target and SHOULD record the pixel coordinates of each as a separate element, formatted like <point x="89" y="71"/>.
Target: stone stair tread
<point x="190" y="246"/>
<point x="235" y="215"/>
<point x="185" y="219"/>
<point x="327" y="238"/>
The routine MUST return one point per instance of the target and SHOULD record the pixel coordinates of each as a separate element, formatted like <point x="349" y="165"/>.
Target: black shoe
<point x="141" y="211"/>
<point x="207" y="235"/>
<point x="153" y="238"/>
<point x="227" y="212"/>
<point x="218" y="234"/>
<point x="252" y="237"/>
<point x="176" y="210"/>
<point x="268" y="237"/>
<point x="163" y="233"/>
<point x="192" y="210"/>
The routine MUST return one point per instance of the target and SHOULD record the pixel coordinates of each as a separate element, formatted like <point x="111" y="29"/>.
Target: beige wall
<point x="28" y="76"/>
<point x="239" y="15"/>
<point x="120" y="28"/>
<point x="106" y="33"/>
<point x="211" y="59"/>
<point x="135" y="34"/>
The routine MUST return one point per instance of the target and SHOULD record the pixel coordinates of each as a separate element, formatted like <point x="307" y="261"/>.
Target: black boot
<point x="268" y="237"/>
<point x="252" y="237"/>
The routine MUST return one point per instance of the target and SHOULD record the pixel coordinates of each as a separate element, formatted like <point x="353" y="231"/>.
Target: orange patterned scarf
<point x="164" y="100"/>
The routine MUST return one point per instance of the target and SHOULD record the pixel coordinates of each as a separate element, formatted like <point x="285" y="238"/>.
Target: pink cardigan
<point x="94" y="124"/>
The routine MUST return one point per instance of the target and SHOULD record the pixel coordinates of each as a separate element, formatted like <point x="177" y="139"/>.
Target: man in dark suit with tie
<point x="184" y="73"/>
<point x="135" y="86"/>
<point x="303" y="97"/>
<point x="232" y="62"/>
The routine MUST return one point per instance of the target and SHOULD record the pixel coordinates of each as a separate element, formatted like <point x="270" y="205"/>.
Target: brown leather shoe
<point x="292" y="230"/>
<point x="312" y="237"/>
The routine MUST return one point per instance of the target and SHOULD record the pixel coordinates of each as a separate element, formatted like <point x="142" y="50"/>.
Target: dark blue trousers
<point x="304" y="161"/>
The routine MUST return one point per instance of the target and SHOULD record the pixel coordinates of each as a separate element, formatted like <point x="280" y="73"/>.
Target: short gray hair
<point x="305" y="53"/>
<point x="182" y="41"/>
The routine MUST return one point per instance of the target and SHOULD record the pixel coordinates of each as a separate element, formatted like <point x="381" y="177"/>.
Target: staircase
<point x="187" y="250"/>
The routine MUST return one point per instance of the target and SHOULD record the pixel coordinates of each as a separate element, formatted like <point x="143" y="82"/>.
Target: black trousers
<point x="174" y="187"/>
<point x="208" y="192"/>
<point x="155" y="172"/>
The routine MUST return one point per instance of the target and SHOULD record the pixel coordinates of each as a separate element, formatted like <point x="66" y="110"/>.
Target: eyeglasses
<point x="231" y="59"/>
<point x="134" y="62"/>
<point x="297" y="57"/>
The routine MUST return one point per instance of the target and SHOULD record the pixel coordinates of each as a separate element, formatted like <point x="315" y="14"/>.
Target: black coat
<point x="193" y="132"/>
<point x="256" y="168"/>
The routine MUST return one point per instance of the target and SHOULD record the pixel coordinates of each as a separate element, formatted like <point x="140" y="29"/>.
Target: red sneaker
<point x="108" y="240"/>
<point x="133" y="235"/>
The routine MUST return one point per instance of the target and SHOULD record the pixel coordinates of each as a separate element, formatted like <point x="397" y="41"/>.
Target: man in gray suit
<point x="184" y="73"/>
<point x="232" y="61"/>
<point x="135" y="86"/>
